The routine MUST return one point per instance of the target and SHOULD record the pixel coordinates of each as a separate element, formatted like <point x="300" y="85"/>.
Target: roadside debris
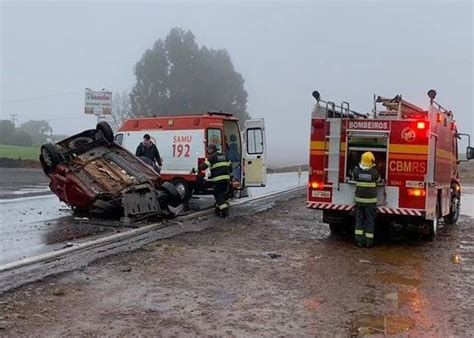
<point x="273" y="255"/>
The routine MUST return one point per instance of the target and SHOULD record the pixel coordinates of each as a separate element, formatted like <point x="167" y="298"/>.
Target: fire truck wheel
<point x="454" y="209"/>
<point x="433" y="227"/>
<point x="106" y="131"/>
<point x="183" y="189"/>
<point x="335" y="228"/>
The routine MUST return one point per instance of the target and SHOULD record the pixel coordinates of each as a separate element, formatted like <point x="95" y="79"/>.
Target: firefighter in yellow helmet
<point x="366" y="176"/>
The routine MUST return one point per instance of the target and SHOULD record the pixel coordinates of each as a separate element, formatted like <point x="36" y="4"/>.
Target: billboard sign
<point x="98" y="102"/>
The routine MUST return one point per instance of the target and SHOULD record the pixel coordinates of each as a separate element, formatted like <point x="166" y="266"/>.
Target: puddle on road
<point x="393" y="278"/>
<point x="377" y="324"/>
<point x="396" y="255"/>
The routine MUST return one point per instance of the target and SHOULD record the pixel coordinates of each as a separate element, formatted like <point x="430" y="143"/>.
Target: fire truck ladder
<point x="334" y="115"/>
<point x="396" y="108"/>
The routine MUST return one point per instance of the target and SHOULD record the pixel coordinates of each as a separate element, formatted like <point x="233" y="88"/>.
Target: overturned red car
<point x="92" y="173"/>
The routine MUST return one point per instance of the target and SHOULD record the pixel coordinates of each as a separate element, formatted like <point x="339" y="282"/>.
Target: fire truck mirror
<point x="469" y="153"/>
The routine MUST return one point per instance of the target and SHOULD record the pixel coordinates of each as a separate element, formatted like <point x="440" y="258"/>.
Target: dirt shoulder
<point x="278" y="272"/>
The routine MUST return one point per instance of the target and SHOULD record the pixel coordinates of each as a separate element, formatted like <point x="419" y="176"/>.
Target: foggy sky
<point x="348" y="51"/>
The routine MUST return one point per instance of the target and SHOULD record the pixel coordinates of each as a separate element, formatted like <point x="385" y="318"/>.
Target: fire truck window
<point x="119" y="138"/>
<point x="359" y="144"/>
<point x="254" y="141"/>
<point x="214" y="136"/>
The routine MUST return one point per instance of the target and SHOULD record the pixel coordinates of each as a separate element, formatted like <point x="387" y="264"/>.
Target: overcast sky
<point x="347" y="50"/>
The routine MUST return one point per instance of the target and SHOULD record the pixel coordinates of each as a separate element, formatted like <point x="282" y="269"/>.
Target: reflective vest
<point x="366" y="186"/>
<point x="220" y="167"/>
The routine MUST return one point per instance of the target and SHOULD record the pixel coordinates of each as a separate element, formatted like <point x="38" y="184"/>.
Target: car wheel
<point x="174" y="198"/>
<point x="106" y="131"/>
<point x="79" y="142"/>
<point x="454" y="209"/>
<point x="183" y="189"/>
<point x="49" y="157"/>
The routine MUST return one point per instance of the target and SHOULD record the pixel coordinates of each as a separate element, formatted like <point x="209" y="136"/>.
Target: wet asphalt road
<point x="37" y="224"/>
<point x="274" y="273"/>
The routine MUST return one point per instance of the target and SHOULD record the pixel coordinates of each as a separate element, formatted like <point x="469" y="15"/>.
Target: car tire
<point x="79" y="142"/>
<point x="106" y="130"/>
<point x="174" y="198"/>
<point x="183" y="188"/>
<point x="49" y="157"/>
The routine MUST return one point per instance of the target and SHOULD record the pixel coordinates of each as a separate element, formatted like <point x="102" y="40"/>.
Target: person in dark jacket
<point x="220" y="176"/>
<point x="366" y="176"/>
<point x="148" y="152"/>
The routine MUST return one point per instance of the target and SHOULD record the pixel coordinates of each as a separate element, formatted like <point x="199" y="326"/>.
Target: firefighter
<point x="220" y="176"/>
<point x="366" y="176"/>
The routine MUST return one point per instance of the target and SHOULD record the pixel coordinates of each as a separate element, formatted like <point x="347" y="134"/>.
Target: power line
<point x="43" y="96"/>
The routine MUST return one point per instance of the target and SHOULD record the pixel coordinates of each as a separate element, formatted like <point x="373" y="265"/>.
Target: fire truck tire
<point x="106" y="131"/>
<point x="49" y="157"/>
<point x="454" y="209"/>
<point x="433" y="227"/>
<point x="335" y="228"/>
<point x="183" y="189"/>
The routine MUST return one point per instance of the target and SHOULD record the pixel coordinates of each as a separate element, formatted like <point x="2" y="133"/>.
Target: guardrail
<point x="13" y="275"/>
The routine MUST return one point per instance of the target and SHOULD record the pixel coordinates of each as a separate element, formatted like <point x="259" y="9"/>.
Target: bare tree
<point x="121" y="109"/>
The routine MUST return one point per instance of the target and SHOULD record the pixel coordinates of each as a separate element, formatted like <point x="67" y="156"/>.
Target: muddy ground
<point x="279" y="272"/>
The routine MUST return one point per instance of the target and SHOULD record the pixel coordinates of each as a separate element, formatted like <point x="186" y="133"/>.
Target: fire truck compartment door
<point x="255" y="153"/>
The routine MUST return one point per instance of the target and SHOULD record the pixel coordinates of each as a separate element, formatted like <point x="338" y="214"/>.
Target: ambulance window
<point x="118" y="138"/>
<point x="214" y="136"/>
<point x="254" y="141"/>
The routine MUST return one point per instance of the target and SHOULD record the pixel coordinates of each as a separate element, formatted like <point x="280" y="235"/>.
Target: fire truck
<point x="416" y="152"/>
<point x="182" y="142"/>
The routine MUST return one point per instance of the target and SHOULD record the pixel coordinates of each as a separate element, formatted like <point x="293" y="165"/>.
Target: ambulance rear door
<point x="255" y="167"/>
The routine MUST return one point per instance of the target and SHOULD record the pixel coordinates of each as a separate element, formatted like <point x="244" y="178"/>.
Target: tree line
<point x="177" y="76"/>
<point x="30" y="133"/>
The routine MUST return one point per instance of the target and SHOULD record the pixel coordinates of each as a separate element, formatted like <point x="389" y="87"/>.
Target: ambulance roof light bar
<point x="343" y="108"/>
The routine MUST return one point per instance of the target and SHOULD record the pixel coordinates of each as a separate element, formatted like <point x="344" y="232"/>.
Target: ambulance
<point x="416" y="152"/>
<point x="182" y="142"/>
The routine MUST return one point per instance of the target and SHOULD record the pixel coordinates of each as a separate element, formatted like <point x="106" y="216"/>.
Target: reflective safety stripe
<point x="220" y="164"/>
<point x="366" y="200"/>
<point x="369" y="235"/>
<point x="220" y="178"/>
<point x="206" y="162"/>
<point x="366" y="184"/>
<point x="359" y="232"/>
<point x="223" y="206"/>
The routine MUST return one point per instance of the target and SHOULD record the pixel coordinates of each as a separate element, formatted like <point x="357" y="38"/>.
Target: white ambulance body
<point x="182" y="142"/>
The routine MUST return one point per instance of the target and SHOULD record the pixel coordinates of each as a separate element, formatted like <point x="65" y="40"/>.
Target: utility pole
<point x="14" y="118"/>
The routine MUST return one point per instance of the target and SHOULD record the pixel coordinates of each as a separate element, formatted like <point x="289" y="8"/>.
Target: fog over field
<point x="348" y="50"/>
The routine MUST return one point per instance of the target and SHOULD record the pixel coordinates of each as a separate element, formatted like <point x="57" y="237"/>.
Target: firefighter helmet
<point x="367" y="159"/>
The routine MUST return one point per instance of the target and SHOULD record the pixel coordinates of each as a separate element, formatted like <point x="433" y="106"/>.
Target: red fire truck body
<point x="416" y="154"/>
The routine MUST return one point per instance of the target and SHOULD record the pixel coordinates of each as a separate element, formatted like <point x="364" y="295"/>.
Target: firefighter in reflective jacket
<point x="366" y="177"/>
<point x="220" y="176"/>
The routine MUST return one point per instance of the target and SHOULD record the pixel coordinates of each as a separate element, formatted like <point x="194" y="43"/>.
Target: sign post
<point x="98" y="103"/>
